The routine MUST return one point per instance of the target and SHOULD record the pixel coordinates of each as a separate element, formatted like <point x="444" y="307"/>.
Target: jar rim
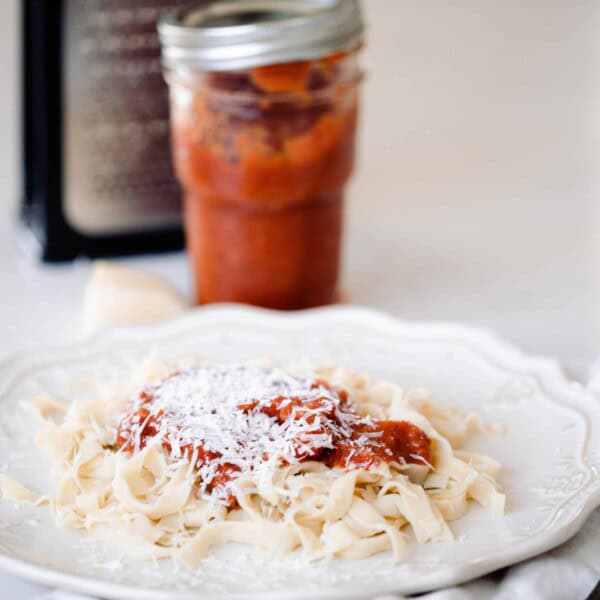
<point x="239" y="34"/>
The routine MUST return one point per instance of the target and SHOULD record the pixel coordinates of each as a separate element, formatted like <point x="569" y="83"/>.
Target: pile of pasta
<point x="149" y="503"/>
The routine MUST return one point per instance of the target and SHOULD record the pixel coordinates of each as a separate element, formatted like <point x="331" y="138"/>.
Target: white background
<point x="477" y="196"/>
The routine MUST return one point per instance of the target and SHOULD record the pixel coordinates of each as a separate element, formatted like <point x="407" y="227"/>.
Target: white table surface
<point x="477" y="197"/>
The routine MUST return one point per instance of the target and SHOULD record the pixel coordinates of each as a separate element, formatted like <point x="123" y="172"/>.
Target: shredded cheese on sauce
<point x="203" y="403"/>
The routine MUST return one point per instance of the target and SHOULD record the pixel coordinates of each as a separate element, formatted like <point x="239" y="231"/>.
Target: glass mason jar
<point x="264" y="103"/>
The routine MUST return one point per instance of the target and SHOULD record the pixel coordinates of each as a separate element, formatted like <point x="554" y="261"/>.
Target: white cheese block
<point x="119" y="295"/>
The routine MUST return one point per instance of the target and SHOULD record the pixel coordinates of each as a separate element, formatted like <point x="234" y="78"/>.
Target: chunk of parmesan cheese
<point x="119" y="295"/>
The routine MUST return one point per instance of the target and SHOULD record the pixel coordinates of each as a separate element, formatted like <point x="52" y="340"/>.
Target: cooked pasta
<point x="327" y="461"/>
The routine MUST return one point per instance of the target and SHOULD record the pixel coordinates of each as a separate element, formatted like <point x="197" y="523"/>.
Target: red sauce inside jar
<point x="263" y="156"/>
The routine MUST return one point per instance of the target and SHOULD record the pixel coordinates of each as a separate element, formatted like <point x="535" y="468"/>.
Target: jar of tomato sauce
<point x="264" y="104"/>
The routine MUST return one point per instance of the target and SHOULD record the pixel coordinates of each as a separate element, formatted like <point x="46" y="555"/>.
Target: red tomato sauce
<point x="388" y="441"/>
<point x="263" y="156"/>
<point x="358" y="445"/>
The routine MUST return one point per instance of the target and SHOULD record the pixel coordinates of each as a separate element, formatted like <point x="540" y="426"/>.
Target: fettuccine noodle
<point x="156" y="506"/>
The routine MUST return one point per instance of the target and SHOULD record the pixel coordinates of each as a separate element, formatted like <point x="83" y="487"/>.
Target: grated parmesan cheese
<point x="200" y="406"/>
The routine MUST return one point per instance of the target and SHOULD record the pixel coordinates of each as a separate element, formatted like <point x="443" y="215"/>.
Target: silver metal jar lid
<point x="227" y="35"/>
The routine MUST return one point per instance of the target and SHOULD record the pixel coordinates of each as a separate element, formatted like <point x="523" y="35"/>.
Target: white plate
<point x="550" y="451"/>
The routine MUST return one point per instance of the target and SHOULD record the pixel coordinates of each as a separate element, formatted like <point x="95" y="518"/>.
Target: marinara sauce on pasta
<point x="286" y="421"/>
